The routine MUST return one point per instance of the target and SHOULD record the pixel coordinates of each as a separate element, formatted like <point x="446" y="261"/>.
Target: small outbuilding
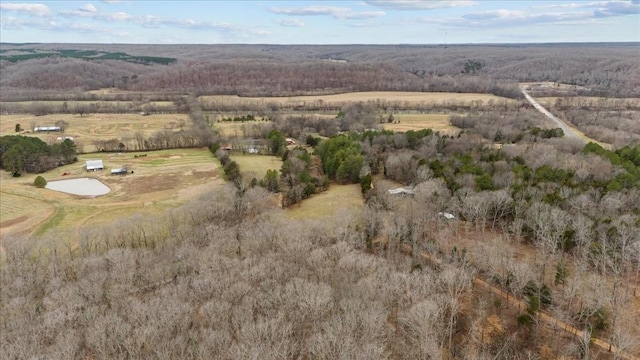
<point x="94" y="165"/>
<point x="119" y="171"/>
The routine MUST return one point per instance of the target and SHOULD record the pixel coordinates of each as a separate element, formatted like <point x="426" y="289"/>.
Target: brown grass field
<point x="591" y="101"/>
<point x="329" y="203"/>
<point x="391" y="96"/>
<point x="237" y="129"/>
<point x="161" y="179"/>
<point x="436" y="122"/>
<point x="85" y="129"/>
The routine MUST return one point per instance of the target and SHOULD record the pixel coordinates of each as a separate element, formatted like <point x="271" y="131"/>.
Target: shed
<point x="119" y="171"/>
<point x="94" y="165"/>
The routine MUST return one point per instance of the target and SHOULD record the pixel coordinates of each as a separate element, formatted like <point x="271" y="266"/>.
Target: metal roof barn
<point x="93" y="165"/>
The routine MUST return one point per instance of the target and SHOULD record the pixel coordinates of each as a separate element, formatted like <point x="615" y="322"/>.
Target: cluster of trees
<point x="616" y="127"/>
<point x="505" y="126"/>
<point x="300" y="176"/>
<point x="163" y="139"/>
<point x="19" y="154"/>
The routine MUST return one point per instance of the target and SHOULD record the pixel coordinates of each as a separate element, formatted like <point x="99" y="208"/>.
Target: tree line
<point x="23" y="154"/>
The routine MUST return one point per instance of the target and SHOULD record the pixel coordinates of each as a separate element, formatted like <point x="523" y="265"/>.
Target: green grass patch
<point x="53" y="221"/>
<point x="258" y="164"/>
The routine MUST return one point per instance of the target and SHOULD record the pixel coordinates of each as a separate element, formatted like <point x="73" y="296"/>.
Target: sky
<point x="319" y="22"/>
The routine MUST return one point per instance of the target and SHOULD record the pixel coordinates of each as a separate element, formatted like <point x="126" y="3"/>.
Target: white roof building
<point x="93" y="165"/>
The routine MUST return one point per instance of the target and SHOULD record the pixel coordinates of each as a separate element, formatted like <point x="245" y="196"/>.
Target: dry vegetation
<point x="176" y="262"/>
<point x="436" y="122"/>
<point x="86" y="129"/>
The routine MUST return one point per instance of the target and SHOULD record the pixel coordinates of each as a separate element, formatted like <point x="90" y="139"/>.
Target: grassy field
<point x="257" y="165"/>
<point x="238" y="129"/>
<point x="591" y="101"/>
<point x="436" y="122"/>
<point x="98" y="103"/>
<point x="390" y="96"/>
<point x="160" y="180"/>
<point x="328" y="203"/>
<point x="85" y="129"/>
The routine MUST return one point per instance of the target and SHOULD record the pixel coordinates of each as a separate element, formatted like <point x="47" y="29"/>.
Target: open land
<point x="409" y="97"/>
<point x="161" y="179"/>
<point x="88" y="128"/>
<point x="328" y="203"/>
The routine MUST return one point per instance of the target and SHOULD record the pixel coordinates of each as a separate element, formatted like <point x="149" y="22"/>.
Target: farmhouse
<point x="94" y="165"/>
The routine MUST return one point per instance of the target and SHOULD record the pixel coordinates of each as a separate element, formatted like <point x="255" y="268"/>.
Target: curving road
<point x="568" y="131"/>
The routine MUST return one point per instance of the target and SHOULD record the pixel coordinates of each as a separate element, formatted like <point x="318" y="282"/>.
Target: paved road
<point x="568" y="131"/>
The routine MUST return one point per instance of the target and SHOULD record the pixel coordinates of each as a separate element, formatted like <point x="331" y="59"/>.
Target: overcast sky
<point x="319" y="22"/>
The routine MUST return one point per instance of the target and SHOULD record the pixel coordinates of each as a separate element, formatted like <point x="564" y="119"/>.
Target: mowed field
<point x="339" y="99"/>
<point x="161" y="179"/>
<point x="88" y="128"/>
<point x="256" y="165"/>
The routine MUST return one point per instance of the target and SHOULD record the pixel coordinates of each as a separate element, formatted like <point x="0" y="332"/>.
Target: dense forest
<point x="507" y="240"/>
<point x="599" y="69"/>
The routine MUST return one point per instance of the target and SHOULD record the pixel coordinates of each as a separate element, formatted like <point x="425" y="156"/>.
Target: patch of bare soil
<point x="17" y="220"/>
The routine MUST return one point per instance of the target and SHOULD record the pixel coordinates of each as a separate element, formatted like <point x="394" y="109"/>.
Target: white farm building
<point x="94" y="165"/>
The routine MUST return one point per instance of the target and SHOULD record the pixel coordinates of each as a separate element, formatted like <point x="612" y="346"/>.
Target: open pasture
<point x="234" y="129"/>
<point x="85" y="129"/>
<point x="161" y="179"/>
<point x="328" y="203"/>
<point x="257" y="165"/>
<point x="337" y="100"/>
<point x="436" y="122"/>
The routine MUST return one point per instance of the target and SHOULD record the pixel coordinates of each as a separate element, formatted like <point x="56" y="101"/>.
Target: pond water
<point x="82" y="186"/>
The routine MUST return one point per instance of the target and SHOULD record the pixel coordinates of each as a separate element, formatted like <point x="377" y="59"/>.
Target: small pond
<point x="82" y="186"/>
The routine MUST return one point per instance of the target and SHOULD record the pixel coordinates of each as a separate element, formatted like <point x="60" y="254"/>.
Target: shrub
<point x="40" y="182"/>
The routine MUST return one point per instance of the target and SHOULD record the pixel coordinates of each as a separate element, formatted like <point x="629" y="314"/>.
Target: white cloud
<point x="363" y="15"/>
<point x="565" y="14"/>
<point x="39" y="10"/>
<point x="419" y="4"/>
<point x="333" y="11"/>
<point x="112" y="1"/>
<point x="89" y="8"/>
<point x="289" y="22"/>
<point x="310" y="10"/>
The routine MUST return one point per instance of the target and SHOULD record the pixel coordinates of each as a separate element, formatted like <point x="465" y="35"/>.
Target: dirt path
<point x="545" y="317"/>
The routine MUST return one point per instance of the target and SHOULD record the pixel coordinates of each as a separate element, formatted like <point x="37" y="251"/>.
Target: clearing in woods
<point x="161" y="179"/>
<point x="257" y="165"/>
<point x="436" y="122"/>
<point x="328" y="203"/>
